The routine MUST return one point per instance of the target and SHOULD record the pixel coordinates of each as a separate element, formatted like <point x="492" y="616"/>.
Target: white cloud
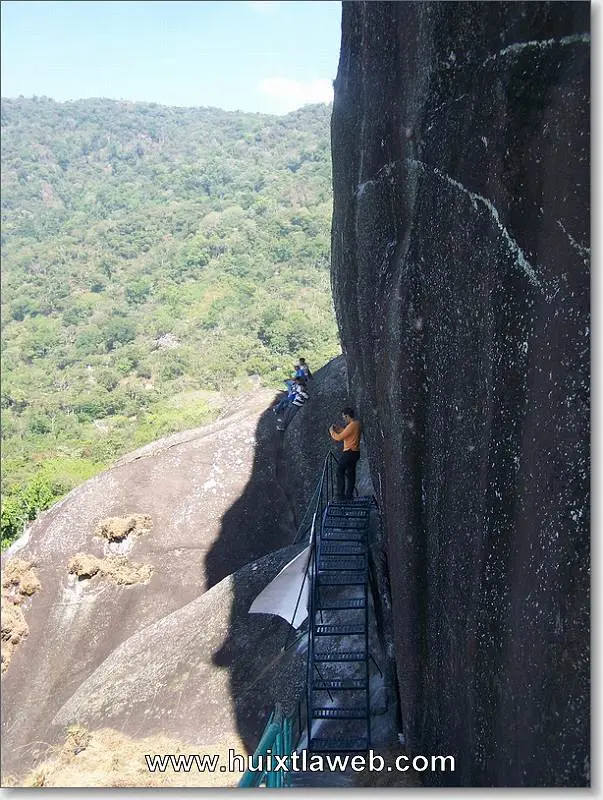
<point x="289" y="95"/>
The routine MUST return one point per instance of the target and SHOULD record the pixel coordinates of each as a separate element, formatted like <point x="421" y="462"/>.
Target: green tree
<point x="122" y="225"/>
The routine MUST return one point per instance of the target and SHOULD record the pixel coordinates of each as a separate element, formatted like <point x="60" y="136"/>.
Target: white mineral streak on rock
<point x="476" y="199"/>
<point x="577" y="38"/>
<point x="122" y="548"/>
<point x="361" y="188"/>
<point x="78" y="599"/>
<point x="387" y="256"/>
<point x="386" y="168"/>
<point x="584" y="252"/>
<point x="437" y="109"/>
<point x="19" y="543"/>
<point x="516" y="250"/>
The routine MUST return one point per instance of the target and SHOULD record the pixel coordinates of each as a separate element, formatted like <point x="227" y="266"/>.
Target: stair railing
<point x="323" y="494"/>
<point x="275" y="741"/>
<point x="326" y="492"/>
<point x="281" y="733"/>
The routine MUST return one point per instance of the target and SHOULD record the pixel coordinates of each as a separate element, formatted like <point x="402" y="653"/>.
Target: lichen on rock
<point x="116" y="529"/>
<point x="118" y="569"/>
<point x="14" y="629"/>
<point x="19" y="581"/>
<point x="108" y="758"/>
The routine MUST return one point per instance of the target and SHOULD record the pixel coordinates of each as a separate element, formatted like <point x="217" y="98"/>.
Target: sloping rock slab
<point x="199" y="488"/>
<point x="176" y="676"/>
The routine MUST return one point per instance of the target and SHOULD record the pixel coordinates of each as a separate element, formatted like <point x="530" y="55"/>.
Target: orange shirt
<point x="350" y="435"/>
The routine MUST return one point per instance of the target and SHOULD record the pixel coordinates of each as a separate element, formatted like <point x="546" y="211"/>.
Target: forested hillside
<point x="153" y="259"/>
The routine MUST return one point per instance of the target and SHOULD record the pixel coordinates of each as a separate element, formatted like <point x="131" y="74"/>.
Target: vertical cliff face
<point x="460" y="275"/>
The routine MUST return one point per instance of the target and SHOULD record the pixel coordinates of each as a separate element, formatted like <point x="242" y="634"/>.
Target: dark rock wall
<point x="460" y="139"/>
<point x="306" y="442"/>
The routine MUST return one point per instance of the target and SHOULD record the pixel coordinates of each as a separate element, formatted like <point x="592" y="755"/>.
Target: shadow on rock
<point x="286" y="469"/>
<point x="262" y="518"/>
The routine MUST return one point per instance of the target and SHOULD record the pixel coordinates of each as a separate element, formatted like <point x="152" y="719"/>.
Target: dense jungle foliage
<point x="154" y="259"/>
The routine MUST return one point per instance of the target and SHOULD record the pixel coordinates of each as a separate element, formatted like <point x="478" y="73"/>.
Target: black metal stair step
<point x="352" y="548"/>
<point x="347" y="513"/>
<point x="359" y="519"/>
<point x="348" y="509"/>
<point x="341" y="656"/>
<point x="346" y="505"/>
<point x="318" y="745"/>
<point x="352" y="532"/>
<point x="344" y="513"/>
<point x="345" y="604"/>
<point x="339" y="630"/>
<point x="341" y="578"/>
<point x="342" y="535"/>
<point x="339" y="713"/>
<point x="331" y="562"/>
<point x="335" y="684"/>
<point x="355" y="501"/>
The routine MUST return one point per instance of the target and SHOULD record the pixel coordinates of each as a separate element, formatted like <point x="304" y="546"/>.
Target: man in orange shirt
<point x="350" y="436"/>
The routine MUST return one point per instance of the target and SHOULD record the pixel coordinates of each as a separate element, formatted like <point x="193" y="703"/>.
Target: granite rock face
<point x="306" y="441"/>
<point x="461" y="282"/>
<point x="143" y="656"/>
<point x="208" y="516"/>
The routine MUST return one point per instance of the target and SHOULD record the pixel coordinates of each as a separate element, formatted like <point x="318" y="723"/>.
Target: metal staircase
<point x="338" y="706"/>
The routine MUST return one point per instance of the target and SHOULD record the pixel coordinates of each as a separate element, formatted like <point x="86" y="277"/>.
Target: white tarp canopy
<point x="282" y="594"/>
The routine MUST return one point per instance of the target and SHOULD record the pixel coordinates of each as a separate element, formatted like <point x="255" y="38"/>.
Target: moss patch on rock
<point x="110" y="758"/>
<point x="116" y="529"/>
<point x="19" y="581"/>
<point x="118" y="569"/>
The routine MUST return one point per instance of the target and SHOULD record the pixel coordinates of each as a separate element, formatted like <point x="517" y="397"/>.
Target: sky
<point x="270" y="57"/>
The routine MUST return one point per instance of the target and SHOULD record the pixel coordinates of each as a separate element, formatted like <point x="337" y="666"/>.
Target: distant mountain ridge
<point x="45" y="141"/>
<point x="153" y="259"/>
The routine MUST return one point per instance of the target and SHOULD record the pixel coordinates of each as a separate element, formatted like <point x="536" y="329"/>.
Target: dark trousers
<point x="346" y="474"/>
<point x="282" y="404"/>
<point x="290" y="412"/>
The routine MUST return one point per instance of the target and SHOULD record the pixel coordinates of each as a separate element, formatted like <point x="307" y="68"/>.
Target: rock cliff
<point x="135" y="616"/>
<point x="460" y="138"/>
<point x="174" y="649"/>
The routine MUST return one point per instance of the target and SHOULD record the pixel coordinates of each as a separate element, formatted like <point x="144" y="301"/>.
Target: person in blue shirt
<point x="280" y="407"/>
<point x="300" y="397"/>
<point x="304" y="369"/>
<point x="301" y="373"/>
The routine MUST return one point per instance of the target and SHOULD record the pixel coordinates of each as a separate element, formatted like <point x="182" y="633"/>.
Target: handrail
<point x="325" y="496"/>
<point x="275" y="741"/>
<point x="317" y="506"/>
<point x="318" y="496"/>
<point x="278" y="733"/>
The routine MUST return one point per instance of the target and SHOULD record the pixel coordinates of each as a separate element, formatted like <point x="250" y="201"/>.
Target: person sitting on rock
<point x="290" y="384"/>
<point x="304" y="369"/>
<point x="298" y="372"/>
<point x="296" y="403"/>
<point x="346" y="469"/>
<point x="284" y="402"/>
